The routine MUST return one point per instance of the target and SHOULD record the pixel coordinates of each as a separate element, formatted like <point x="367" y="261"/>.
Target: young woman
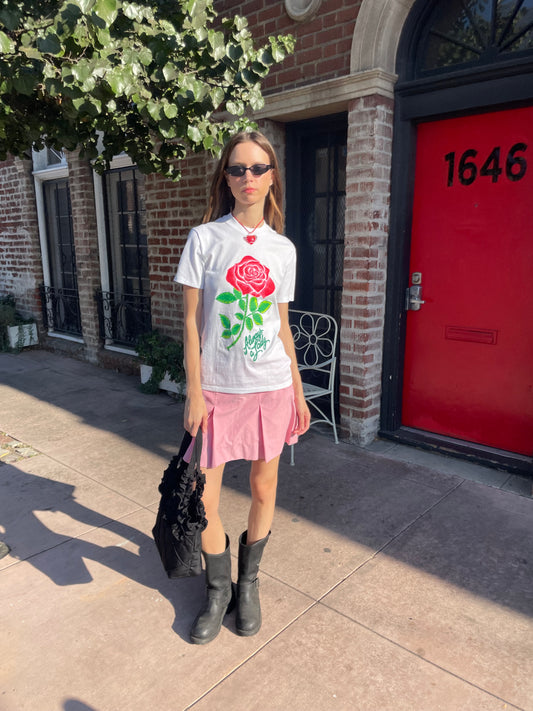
<point x="243" y="386"/>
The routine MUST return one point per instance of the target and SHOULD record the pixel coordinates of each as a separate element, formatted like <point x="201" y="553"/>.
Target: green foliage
<point x="9" y="316"/>
<point x="145" y="77"/>
<point x="164" y="355"/>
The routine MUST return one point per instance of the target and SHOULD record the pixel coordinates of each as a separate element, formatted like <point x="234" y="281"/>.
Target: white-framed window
<point x="59" y="291"/>
<point x="124" y="299"/>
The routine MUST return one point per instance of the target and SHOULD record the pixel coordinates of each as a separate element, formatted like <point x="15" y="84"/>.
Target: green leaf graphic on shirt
<point x="227" y="298"/>
<point x="264" y="306"/>
<point x="247" y="319"/>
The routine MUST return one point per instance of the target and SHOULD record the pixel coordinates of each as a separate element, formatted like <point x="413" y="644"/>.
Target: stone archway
<point x="377" y="33"/>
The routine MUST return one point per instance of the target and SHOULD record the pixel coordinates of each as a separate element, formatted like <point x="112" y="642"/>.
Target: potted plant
<point x="162" y="363"/>
<point x="16" y="332"/>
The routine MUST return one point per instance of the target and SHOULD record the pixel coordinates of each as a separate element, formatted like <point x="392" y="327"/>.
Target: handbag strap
<point x="196" y="452"/>
<point x="185" y="442"/>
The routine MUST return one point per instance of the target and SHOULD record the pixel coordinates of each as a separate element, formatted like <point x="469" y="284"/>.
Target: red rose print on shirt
<point x="250" y="277"/>
<point x="251" y="284"/>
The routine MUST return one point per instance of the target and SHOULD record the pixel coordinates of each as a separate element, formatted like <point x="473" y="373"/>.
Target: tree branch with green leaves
<point x="150" y="78"/>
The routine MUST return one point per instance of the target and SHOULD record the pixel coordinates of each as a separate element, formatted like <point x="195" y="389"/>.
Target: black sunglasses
<point x="237" y="171"/>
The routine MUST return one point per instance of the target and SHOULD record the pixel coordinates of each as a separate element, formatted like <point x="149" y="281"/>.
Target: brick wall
<point x="365" y="264"/>
<point x="171" y="210"/>
<point x="323" y="43"/>
<point x="20" y="256"/>
<point x="86" y="247"/>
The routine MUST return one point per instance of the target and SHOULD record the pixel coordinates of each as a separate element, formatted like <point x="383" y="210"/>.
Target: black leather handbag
<point x="181" y="515"/>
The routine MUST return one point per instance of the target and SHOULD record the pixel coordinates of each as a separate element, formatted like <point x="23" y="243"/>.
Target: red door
<point x="469" y="349"/>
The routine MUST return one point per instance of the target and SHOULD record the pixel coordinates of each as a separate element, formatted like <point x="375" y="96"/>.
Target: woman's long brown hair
<point x="221" y="201"/>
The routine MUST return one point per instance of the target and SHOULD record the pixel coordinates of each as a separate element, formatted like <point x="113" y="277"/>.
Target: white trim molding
<point x="119" y="161"/>
<point x="301" y="10"/>
<point x="377" y="33"/>
<point x="326" y="97"/>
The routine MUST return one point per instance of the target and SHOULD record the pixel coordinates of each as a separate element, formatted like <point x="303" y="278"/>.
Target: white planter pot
<point x="22" y="336"/>
<point x="166" y="384"/>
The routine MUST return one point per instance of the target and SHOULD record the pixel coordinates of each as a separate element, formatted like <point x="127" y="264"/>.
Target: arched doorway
<point x="458" y="369"/>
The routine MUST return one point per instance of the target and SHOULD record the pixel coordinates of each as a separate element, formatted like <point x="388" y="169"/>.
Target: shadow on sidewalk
<point x="76" y="705"/>
<point x="26" y="532"/>
<point x="470" y="535"/>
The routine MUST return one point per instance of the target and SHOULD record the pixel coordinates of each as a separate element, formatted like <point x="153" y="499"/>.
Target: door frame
<point x="296" y="134"/>
<point x="505" y="85"/>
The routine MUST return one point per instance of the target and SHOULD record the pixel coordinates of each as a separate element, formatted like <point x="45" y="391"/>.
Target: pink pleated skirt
<point x="248" y="426"/>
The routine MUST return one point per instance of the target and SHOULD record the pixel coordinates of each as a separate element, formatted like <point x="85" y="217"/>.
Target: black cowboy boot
<point x="220" y="597"/>
<point x="248" y="607"/>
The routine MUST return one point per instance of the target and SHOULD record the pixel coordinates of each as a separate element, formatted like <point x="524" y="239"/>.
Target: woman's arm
<point x="195" y="414"/>
<point x="285" y="334"/>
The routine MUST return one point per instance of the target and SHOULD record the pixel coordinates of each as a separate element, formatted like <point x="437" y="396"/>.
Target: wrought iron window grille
<point x="123" y="317"/>
<point x="61" y="310"/>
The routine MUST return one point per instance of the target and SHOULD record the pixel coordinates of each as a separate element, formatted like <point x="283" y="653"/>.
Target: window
<point x="316" y="199"/>
<point x="462" y="33"/>
<point x="127" y="231"/>
<point x="59" y="233"/>
<point x="124" y="301"/>
<point x="59" y="293"/>
<point x="54" y="157"/>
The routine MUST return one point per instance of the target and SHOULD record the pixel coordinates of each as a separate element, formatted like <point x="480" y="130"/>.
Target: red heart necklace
<point x="249" y="237"/>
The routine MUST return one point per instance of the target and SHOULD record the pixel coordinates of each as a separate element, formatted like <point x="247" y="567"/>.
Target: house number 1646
<point x="466" y="170"/>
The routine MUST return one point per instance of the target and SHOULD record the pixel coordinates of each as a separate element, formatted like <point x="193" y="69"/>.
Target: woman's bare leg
<point x="214" y="537"/>
<point x="263" y="486"/>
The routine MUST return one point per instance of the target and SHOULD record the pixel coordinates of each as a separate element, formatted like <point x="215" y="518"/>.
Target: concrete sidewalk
<point x="393" y="579"/>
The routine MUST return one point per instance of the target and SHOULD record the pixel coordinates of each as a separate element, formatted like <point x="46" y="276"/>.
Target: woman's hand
<point x="195" y="415"/>
<point x="303" y="413"/>
<point x="285" y="334"/>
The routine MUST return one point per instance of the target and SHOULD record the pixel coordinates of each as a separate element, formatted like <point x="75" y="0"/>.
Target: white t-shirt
<point x="242" y="286"/>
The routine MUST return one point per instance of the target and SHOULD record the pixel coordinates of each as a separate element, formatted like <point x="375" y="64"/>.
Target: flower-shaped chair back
<point x="315" y="340"/>
<point x="315" y="337"/>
